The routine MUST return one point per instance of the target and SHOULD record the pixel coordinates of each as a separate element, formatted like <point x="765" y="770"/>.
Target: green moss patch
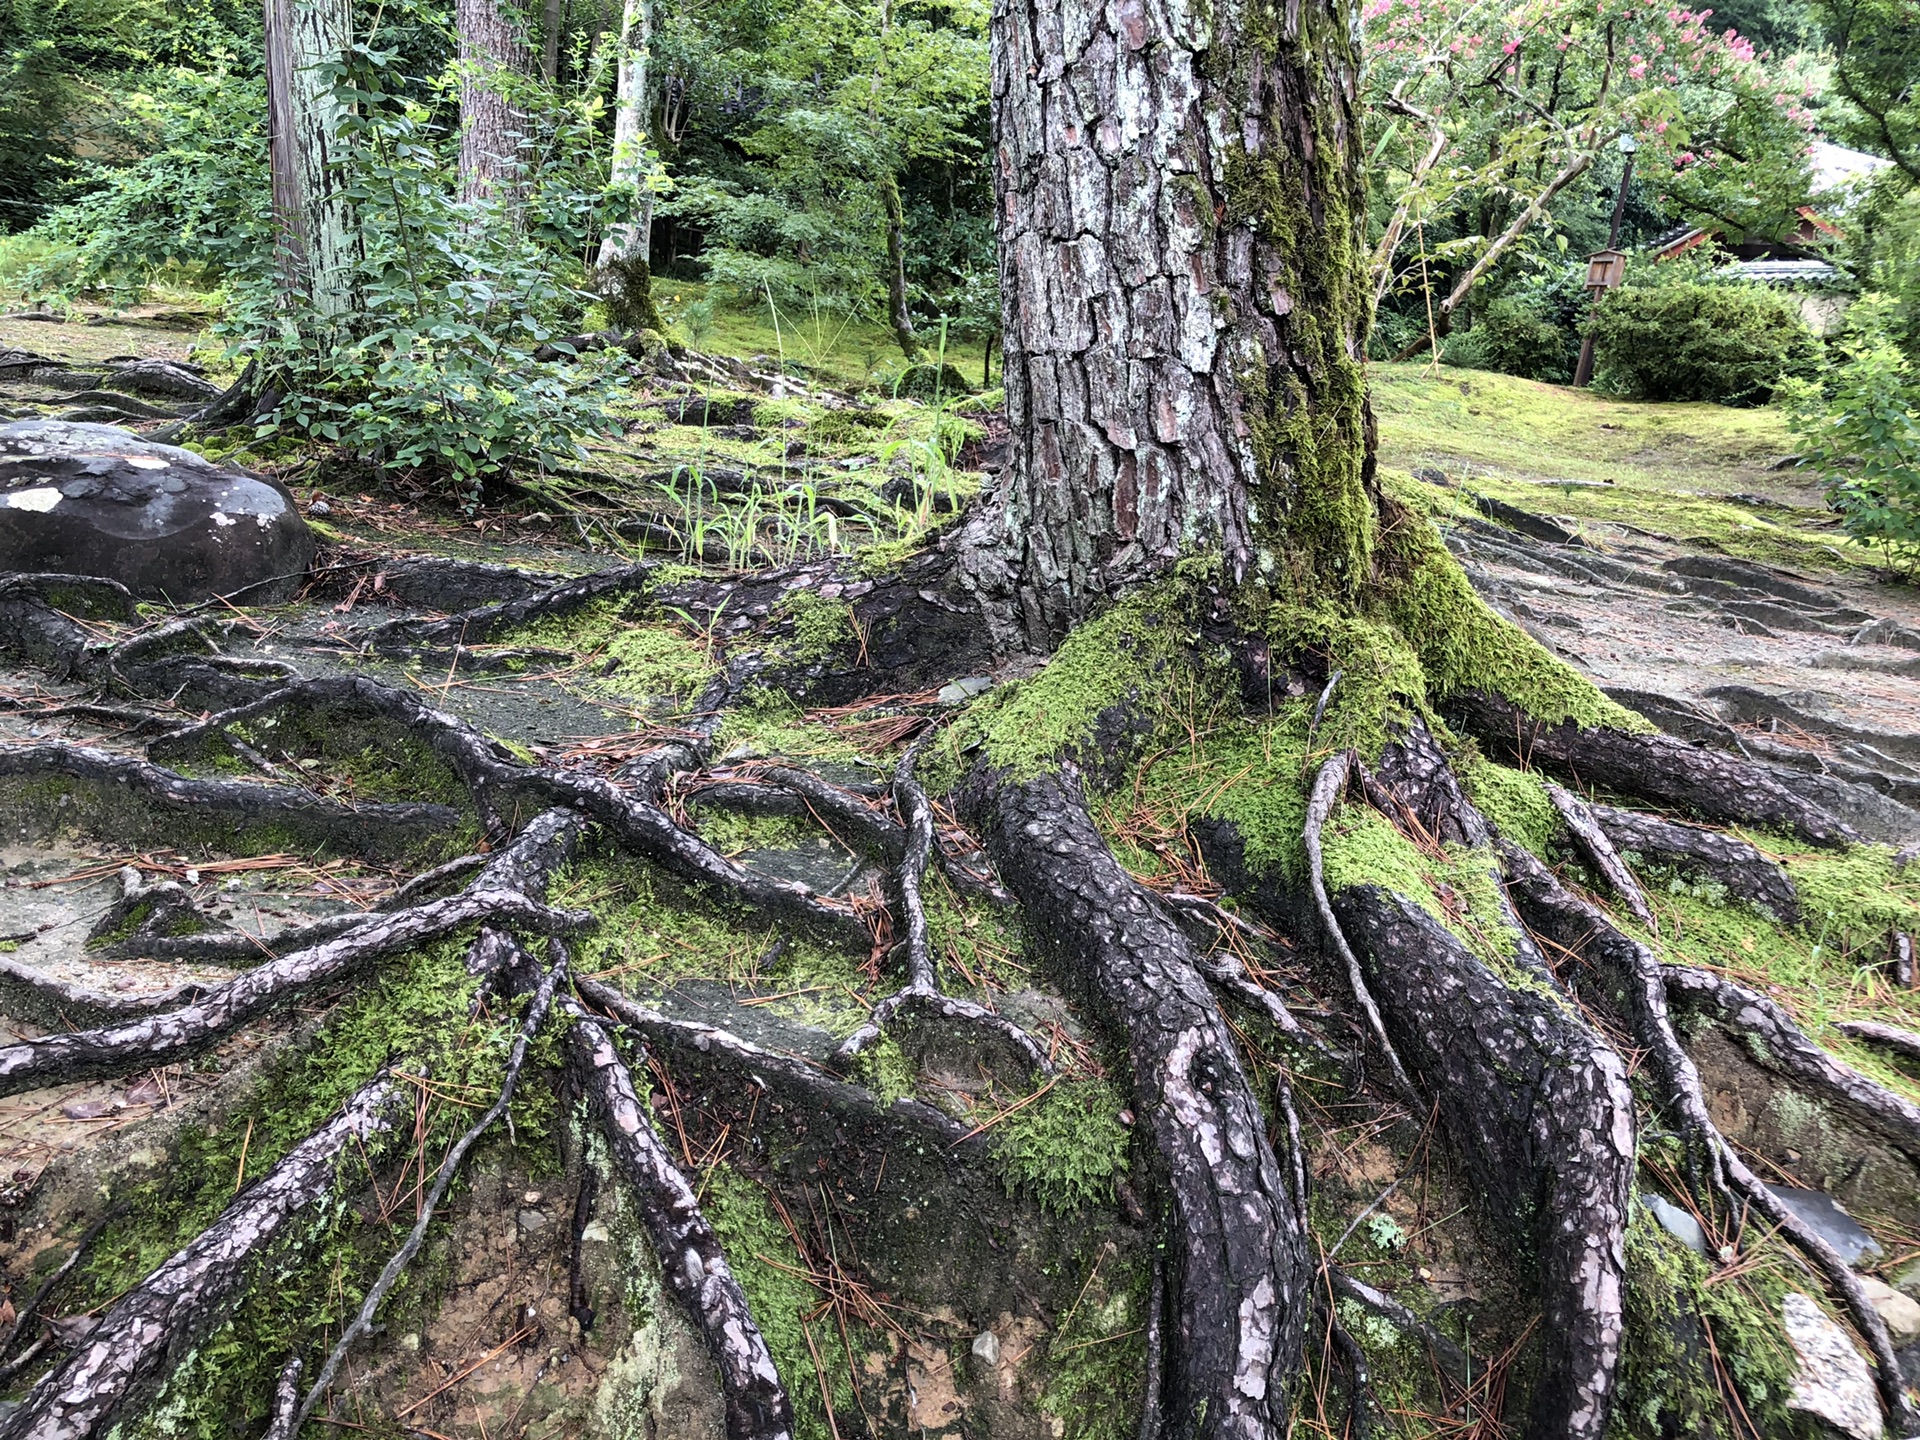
<point x="1067" y="1148"/>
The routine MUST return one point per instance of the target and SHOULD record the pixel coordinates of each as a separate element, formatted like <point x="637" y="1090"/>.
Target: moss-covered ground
<point x="1671" y="469"/>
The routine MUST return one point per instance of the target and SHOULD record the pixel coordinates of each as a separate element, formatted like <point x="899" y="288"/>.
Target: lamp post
<point x="1609" y="267"/>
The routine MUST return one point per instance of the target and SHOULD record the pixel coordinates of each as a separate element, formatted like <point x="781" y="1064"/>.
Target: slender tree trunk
<point x="315" y="237"/>
<point x="630" y="152"/>
<point x="491" y="50"/>
<point x="1185" y="295"/>
<point x="1464" y="285"/>
<point x="550" y="23"/>
<point x="898" y="316"/>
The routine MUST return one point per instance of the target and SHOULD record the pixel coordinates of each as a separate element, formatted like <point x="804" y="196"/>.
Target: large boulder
<point x="166" y="523"/>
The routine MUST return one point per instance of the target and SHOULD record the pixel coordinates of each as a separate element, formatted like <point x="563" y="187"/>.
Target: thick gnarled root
<point x="149" y="1330"/>
<point x="691" y="1262"/>
<point x="1240" y="1278"/>
<point x="1658" y="768"/>
<point x="1538" y="1105"/>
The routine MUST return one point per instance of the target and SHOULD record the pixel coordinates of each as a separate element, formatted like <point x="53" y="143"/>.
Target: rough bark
<point x="492" y="50"/>
<point x="691" y="1262"/>
<point x="152" y="1328"/>
<point x="1597" y="846"/>
<point x="1240" y="1276"/>
<point x="1184" y="294"/>
<point x="313" y="224"/>
<point x="1782" y="1047"/>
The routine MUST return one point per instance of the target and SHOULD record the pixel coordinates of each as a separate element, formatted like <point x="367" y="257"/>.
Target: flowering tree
<point x="1496" y="113"/>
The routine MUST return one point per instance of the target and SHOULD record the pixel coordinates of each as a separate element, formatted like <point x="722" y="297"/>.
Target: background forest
<point x="812" y="181"/>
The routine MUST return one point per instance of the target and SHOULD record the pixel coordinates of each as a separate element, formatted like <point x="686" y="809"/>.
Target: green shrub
<point x="1728" y="343"/>
<point x="1859" y="431"/>
<point x="1517" y="335"/>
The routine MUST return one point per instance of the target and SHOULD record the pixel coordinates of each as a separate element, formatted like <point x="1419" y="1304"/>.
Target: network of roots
<point x="1227" y="1031"/>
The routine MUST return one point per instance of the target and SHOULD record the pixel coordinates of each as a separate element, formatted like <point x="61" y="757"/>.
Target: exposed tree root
<point x="920" y="998"/>
<point x="1782" y="1047"/>
<point x="1594" y="844"/>
<point x="1229" y="975"/>
<point x="287" y="1417"/>
<point x="1240" y="1272"/>
<point x="1633" y="988"/>
<point x="1327" y="786"/>
<point x="1903" y="1043"/>
<point x="691" y="1262"/>
<point x="852" y="818"/>
<point x="1538" y="1105"/>
<point x="1639" y="988"/>
<point x="1658" y="768"/>
<point x="793" y="1082"/>
<point x="482" y="623"/>
<point x="28" y="993"/>
<point x="167" y="1038"/>
<point x="1741" y="868"/>
<point x="176" y="804"/>
<point x="149" y="1330"/>
<point x="1448" y="1356"/>
<point x="644" y="828"/>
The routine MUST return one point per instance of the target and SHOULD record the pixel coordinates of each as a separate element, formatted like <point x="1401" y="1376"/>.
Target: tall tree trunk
<point x="492" y="48"/>
<point x="626" y="283"/>
<point x="313" y="224"/>
<point x="898" y="316"/>
<point x="1185" y="295"/>
<point x="550" y="25"/>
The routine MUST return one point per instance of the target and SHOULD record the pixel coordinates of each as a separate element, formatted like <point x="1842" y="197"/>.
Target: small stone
<point x="966" y="688"/>
<point x="1826" y="1217"/>
<point x="986" y="1348"/>
<point x="532" y="1197"/>
<point x="1832" y="1383"/>
<point x="1676" y="1222"/>
<point x="1899" y="1313"/>
<point x="530" y="1220"/>
<point x="321" y="507"/>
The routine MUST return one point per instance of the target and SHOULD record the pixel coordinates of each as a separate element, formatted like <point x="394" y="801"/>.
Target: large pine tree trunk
<point x="1185" y="297"/>
<point x="313" y="224"/>
<point x="492" y="48"/>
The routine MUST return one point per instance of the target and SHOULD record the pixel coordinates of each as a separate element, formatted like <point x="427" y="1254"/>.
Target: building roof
<point x="1835" y="167"/>
<point x="1781" y="272"/>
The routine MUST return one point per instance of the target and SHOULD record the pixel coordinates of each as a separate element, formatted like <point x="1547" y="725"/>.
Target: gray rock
<point x="1832" y="1382"/>
<point x="956" y="691"/>
<point x="1824" y="1215"/>
<point x="986" y="1348"/>
<point x="1676" y="1222"/>
<point x="1897" y="1312"/>
<point x="165" y="522"/>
